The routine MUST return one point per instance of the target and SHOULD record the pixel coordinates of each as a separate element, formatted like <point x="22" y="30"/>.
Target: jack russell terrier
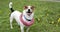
<point x="24" y="19"/>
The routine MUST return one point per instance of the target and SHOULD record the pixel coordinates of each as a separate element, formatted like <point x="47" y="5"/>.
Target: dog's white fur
<point x="16" y="15"/>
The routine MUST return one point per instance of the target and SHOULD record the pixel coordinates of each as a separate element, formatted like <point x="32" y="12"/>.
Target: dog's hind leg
<point x="11" y="19"/>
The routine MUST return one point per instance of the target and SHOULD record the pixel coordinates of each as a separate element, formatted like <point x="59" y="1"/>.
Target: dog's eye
<point x="32" y="7"/>
<point x="25" y="7"/>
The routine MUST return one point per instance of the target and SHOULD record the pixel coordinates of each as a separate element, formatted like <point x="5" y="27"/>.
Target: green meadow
<point x="47" y="15"/>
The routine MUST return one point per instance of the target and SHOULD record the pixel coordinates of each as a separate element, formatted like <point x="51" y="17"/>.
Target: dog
<point x="24" y="19"/>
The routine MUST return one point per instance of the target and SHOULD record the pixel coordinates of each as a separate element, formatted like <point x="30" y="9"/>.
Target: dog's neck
<point x="26" y="17"/>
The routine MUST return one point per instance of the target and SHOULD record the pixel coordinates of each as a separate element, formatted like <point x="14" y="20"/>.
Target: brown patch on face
<point x="32" y="7"/>
<point x="25" y="7"/>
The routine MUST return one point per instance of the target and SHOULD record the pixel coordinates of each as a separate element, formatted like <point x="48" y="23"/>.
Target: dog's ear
<point x="32" y="7"/>
<point x="25" y="7"/>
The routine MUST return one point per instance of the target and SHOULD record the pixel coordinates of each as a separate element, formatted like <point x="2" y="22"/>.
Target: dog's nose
<point x="28" y="10"/>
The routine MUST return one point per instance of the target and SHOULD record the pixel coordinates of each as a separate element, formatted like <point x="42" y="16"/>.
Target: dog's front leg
<point x="22" y="28"/>
<point x="27" y="29"/>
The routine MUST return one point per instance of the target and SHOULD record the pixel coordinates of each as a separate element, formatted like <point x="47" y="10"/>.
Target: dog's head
<point x="28" y="10"/>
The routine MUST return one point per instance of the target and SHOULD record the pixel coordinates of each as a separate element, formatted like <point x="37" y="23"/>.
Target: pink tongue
<point x="29" y="14"/>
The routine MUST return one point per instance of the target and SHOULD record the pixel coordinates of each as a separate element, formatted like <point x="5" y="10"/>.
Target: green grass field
<point x="47" y="16"/>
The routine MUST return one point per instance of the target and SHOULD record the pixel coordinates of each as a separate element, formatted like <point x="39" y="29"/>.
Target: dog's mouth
<point x="29" y="13"/>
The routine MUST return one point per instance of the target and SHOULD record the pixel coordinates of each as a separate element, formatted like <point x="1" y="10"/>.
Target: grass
<point x="47" y="15"/>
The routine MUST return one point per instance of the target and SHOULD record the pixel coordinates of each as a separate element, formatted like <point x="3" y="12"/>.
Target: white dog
<point x="23" y="19"/>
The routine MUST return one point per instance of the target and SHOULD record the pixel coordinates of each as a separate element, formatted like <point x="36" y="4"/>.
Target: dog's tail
<point x="10" y="6"/>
